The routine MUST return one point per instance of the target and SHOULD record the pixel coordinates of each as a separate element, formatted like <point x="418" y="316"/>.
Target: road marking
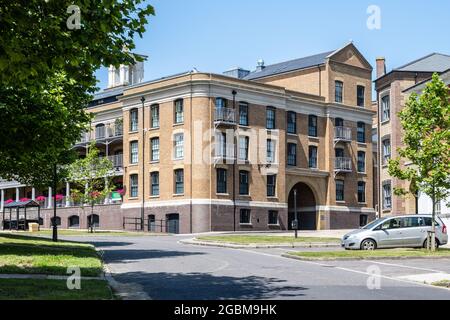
<point x="350" y="270"/>
<point x="402" y="266"/>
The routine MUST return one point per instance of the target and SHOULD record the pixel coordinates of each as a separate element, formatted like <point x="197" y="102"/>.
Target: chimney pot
<point x="381" y="67"/>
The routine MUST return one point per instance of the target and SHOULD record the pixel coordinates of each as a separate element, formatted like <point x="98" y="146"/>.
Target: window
<point x="134" y="186"/>
<point x="57" y="220"/>
<point x="273" y="217"/>
<point x="387" y="195"/>
<point x="291" y="122"/>
<point x="271" y="185"/>
<point x="100" y="131"/>
<point x="361" y="136"/>
<point x="244" y="216"/>
<point x="361" y="162"/>
<point x="270" y="151"/>
<point x="134" y="152"/>
<point x="339" y="88"/>
<point x="221" y="103"/>
<point x="339" y="153"/>
<point x="292" y="154"/>
<point x="221" y="144"/>
<point x="243" y="114"/>
<point x="312" y="126"/>
<point x="360" y="96"/>
<point x="154" y="178"/>
<point x="74" y="222"/>
<point x="385" y="108"/>
<point x="386" y="151"/>
<point x="93" y="221"/>
<point x="179" y="181"/>
<point x="221" y="181"/>
<point x="313" y="157"/>
<point x="134" y="120"/>
<point x="363" y="220"/>
<point x="340" y="190"/>
<point x="243" y="183"/>
<point x="270" y="118"/>
<point x="361" y="192"/>
<point x="155" y="149"/>
<point x="155" y="116"/>
<point x="179" y="146"/>
<point x="338" y="122"/>
<point x="179" y="114"/>
<point x="243" y="148"/>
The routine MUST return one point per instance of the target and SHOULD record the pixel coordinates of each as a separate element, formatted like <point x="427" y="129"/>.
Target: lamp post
<point x="54" y="227"/>
<point x="234" y="161"/>
<point x="296" y="216"/>
<point x="143" y="165"/>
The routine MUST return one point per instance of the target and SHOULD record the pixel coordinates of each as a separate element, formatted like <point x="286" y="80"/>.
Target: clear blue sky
<point x="216" y="35"/>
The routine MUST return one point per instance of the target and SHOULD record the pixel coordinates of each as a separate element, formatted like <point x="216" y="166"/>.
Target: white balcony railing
<point x="343" y="164"/>
<point x="342" y="134"/>
<point x="225" y="115"/>
<point x="102" y="132"/>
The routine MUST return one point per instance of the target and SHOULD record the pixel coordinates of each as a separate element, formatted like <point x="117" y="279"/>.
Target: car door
<point x="389" y="234"/>
<point x="412" y="233"/>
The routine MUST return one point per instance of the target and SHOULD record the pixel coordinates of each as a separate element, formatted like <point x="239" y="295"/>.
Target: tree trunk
<point x="432" y="241"/>
<point x="92" y="218"/>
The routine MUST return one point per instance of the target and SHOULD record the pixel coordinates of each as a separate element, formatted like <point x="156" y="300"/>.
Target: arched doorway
<point x="306" y="207"/>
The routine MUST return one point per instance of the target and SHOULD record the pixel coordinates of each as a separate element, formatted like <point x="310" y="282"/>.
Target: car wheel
<point x="368" y="245"/>
<point x="437" y="244"/>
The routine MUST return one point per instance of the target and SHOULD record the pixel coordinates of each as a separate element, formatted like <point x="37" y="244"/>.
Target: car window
<point x="425" y="222"/>
<point x="411" y="222"/>
<point x="395" y="223"/>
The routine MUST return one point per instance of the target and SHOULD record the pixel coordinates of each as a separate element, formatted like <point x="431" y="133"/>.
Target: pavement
<point x="162" y="268"/>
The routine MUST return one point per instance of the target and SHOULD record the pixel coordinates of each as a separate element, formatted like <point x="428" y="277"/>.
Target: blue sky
<point x="216" y="35"/>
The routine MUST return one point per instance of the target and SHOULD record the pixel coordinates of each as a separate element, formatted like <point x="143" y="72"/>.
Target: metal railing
<point x="102" y="132"/>
<point x="117" y="160"/>
<point x="343" y="133"/>
<point x="225" y="115"/>
<point x="343" y="164"/>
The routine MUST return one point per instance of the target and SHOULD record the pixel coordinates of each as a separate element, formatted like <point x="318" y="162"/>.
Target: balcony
<point x="342" y="134"/>
<point x="112" y="131"/>
<point x="342" y="165"/>
<point x="225" y="116"/>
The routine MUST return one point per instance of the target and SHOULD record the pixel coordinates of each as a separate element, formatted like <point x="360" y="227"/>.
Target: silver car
<point x="395" y="232"/>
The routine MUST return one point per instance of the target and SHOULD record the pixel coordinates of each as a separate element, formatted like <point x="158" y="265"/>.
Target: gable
<point x="351" y="56"/>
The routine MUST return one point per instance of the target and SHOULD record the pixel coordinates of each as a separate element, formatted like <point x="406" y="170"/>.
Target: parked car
<point x="396" y="232"/>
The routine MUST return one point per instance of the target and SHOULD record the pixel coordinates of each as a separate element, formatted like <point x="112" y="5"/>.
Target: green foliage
<point x="426" y="124"/>
<point x="47" y="76"/>
<point x="93" y="175"/>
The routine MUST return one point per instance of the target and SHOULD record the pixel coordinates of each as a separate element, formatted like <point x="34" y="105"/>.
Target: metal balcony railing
<point x="102" y="132"/>
<point x="343" y="164"/>
<point x="342" y="134"/>
<point x="117" y="160"/>
<point x="225" y="115"/>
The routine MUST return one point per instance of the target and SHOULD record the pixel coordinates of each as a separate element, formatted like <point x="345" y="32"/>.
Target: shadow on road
<point x="204" y="286"/>
<point x="118" y="256"/>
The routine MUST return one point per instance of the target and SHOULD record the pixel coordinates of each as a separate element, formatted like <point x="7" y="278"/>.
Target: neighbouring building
<point x="393" y="90"/>
<point x="197" y="152"/>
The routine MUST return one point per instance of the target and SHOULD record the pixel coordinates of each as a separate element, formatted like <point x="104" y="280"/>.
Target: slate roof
<point x="291" y="65"/>
<point x="435" y="62"/>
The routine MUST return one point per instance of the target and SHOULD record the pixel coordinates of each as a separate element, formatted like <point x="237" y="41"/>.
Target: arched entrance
<point x="306" y="207"/>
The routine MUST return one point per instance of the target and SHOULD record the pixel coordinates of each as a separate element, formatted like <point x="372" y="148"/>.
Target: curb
<point x="290" y="256"/>
<point x="258" y="246"/>
<point x="124" y="291"/>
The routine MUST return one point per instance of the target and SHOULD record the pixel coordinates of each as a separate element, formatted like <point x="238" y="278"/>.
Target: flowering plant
<point x="59" y="197"/>
<point x="9" y="201"/>
<point x="95" y="194"/>
<point x="40" y="198"/>
<point x="24" y="199"/>
<point x="121" y="191"/>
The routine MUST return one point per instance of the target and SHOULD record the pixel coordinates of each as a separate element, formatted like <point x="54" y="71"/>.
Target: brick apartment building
<point x="198" y="152"/>
<point x="393" y="90"/>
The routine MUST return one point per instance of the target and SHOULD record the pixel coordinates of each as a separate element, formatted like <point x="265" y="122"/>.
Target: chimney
<point x="381" y="67"/>
<point x="260" y="65"/>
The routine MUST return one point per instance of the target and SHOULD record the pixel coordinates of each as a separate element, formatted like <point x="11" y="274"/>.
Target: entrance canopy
<point x="19" y="220"/>
<point x="21" y="204"/>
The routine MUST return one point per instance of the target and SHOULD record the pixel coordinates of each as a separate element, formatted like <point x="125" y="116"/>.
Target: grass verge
<point x="21" y="254"/>
<point x="385" y="253"/>
<point x="66" y="232"/>
<point x="40" y="289"/>
<point x="246" y="240"/>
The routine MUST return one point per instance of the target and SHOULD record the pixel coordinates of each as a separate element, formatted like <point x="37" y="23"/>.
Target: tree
<point x="47" y="74"/>
<point x="93" y="175"/>
<point x="426" y="125"/>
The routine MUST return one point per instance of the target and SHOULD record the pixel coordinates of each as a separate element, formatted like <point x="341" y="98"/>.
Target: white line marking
<point x="402" y="266"/>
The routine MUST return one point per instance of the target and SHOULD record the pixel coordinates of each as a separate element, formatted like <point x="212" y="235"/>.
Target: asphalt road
<point x="162" y="268"/>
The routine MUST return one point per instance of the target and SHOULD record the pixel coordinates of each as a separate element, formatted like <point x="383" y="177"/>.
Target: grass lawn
<point x="385" y="253"/>
<point x="245" y="239"/>
<point x="40" y="289"/>
<point x="23" y="254"/>
<point x="443" y="283"/>
<point x="66" y="232"/>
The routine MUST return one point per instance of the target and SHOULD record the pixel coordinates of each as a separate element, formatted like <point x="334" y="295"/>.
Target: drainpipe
<point x="234" y="162"/>
<point x="143" y="165"/>
<point x="191" y="146"/>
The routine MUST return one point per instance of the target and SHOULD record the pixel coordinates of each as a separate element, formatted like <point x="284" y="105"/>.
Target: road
<point x="162" y="268"/>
